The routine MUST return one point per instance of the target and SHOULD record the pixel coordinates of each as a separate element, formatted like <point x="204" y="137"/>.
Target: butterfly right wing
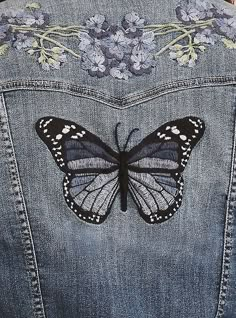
<point x="156" y="164"/>
<point x="157" y="195"/>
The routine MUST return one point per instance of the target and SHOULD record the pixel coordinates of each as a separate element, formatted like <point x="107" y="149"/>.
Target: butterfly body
<point x="151" y="171"/>
<point x="123" y="180"/>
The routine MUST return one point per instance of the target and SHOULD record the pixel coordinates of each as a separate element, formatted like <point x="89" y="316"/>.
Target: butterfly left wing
<point x="91" y="167"/>
<point x="156" y="164"/>
<point x="74" y="148"/>
<point x="91" y="195"/>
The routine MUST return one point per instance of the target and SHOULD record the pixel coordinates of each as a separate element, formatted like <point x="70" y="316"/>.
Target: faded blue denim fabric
<point x="97" y="64"/>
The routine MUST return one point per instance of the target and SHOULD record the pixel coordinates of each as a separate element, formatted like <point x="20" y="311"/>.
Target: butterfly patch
<point x="95" y="173"/>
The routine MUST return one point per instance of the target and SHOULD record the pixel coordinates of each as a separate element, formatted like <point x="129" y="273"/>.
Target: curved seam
<point x="26" y="233"/>
<point x="179" y="83"/>
<point x="227" y="249"/>
<point x="114" y="102"/>
<point x="178" y="89"/>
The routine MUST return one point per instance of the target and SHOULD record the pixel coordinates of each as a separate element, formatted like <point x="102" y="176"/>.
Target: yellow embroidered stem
<point x="42" y="37"/>
<point x="151" y="26"/>
<point x="182" y="36"/>
<point x="202" y="26"/>
<point x="163" y="26"/>
<point x="173" y="26"/>
<point x="24" y="28"/>
<point x="66" y="35"/>
<point x="69" y="27"/>
<point x="202" y="22"/>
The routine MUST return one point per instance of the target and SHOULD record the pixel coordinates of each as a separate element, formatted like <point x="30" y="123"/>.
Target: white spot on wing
<point x="65" y="130"/>
<point x="175" y="131"/>
<point x="59" y="136"/>
<point x="183" y="137"/>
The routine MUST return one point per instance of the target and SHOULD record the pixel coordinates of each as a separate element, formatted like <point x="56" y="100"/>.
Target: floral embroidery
<point x="121" y="51"/>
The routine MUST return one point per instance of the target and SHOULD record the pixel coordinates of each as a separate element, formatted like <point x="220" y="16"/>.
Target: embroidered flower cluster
<point x="118" y="51"/>
<point x="204" y="24"/>
<point x="121" y="51"/>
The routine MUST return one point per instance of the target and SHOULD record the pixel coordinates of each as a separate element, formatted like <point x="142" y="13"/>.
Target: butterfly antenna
<point x="116" y="136"/>
<point x="128" y="139"/>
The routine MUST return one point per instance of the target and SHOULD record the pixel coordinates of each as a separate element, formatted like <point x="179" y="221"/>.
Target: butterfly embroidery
<point x="94" y="173"/>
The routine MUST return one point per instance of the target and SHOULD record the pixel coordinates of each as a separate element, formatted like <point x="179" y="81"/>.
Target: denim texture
<point x="54" y="265"/>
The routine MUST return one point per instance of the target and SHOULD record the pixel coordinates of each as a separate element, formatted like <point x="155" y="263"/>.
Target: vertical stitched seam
<point x="26" y="233"/>
<point x="227" y="233"/>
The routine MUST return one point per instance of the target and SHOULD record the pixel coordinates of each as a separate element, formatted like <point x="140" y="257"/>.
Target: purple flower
<point x="23" y="41"/>
<point x="205" y="7"/>
<point x="89" y="44"/>
<point x="95" y="63"/>
<point x="194" y="10"/>
<point x="187" y="14"/>
<point x="146" y="42"/>
<point x="132" y="22"/>
<point x="6" y="33"/>
<point x="206" y="36"/>
<point x="227" y="27"/>
<point x="120" y="71"/>
<point x="97" y="25"/>
<point x="3" y="31"/>
<point x="13" y="16"/>
<point x="220" y="12"/>
<point x="36" y="18"/>
<point x="142" y="62"/>
<point x="21" y="17"/>
<point x="118" y="44"/>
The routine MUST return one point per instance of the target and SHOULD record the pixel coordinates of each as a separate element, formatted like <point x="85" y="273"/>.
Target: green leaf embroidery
<point x="31" y="52"/>
<point x="35" y="44"/>
<point x="184" y="59"/>
<point x="3" y="49"/>
<point x="56" y="49"/>
<point x="33" y="5"/>
<point x="202" y="48"/>
<point x="229" y="43"/>
<point x="41" y="59"/>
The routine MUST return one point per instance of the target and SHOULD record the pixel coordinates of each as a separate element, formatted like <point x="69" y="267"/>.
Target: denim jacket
<point x="117" y="159"/>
